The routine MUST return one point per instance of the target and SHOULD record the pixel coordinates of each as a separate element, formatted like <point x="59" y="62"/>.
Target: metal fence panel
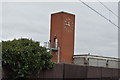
<point x="115" y="73"/>
<point x="107" y="72"/>
<point x="74" y="71"/>
<point x="94" y="72"/>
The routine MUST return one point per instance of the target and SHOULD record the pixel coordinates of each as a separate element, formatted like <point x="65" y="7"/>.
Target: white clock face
<point x="68" y="24"/>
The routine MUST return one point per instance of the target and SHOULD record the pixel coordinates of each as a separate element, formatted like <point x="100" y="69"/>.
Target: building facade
<point x="98" y="61"/>
<point x="62" y="37"/>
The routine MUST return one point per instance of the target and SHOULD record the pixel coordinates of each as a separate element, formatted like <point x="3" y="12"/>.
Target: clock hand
<point x="67" y="24"/>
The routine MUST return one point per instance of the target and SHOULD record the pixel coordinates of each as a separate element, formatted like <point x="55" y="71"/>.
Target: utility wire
<point x="100" y="14"/>
<point x="108" y="9"/>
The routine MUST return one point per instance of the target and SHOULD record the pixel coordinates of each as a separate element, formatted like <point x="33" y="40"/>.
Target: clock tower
<point x="62" y="37"/>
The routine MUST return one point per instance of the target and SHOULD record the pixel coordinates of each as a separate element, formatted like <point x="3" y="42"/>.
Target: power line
<point x="108" y="9"/>
<point x="100" y="14"/>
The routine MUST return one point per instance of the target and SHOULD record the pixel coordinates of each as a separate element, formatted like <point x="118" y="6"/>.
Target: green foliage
<point x="24" y="56"/>
<point x="0" y="51"/>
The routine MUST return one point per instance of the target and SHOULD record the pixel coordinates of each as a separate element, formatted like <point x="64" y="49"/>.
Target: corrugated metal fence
<point x="70" y="71"/>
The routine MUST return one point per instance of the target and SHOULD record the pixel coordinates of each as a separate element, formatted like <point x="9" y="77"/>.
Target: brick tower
<point x="62" y="37"/>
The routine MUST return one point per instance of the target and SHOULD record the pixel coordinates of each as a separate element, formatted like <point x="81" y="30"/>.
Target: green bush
<point x="24" y="56"/>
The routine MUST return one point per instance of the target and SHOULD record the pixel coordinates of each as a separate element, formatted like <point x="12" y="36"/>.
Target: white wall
<point x="96" y="62"/>
<point x="79" y="61"/>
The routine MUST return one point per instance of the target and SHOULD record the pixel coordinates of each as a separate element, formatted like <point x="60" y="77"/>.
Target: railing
<point x="51" y="46"/>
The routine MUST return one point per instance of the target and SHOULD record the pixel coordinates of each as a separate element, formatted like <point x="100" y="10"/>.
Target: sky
<point x="93" y="34"/>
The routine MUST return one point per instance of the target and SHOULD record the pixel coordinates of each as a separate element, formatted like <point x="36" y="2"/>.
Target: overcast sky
<point x="93" y="34"/>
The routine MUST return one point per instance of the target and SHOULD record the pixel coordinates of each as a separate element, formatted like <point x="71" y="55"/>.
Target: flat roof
<point x="95" y="56"/>
<point x="63" y="12"/>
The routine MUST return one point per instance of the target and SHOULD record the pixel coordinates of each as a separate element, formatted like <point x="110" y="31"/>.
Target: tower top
<point x="62" y="36"/>
<point x="63" y="12"/>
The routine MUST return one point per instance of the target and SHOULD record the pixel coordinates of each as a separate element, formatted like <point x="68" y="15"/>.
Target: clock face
<point x="68" y="24"/>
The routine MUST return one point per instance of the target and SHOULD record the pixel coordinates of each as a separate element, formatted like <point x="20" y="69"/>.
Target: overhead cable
<point x="100" y="14"/>
<point x="108" y="8"/>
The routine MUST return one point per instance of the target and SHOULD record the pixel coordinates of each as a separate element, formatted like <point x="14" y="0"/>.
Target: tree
<point x="0" y="51"/>
<point x="24" y="56"/>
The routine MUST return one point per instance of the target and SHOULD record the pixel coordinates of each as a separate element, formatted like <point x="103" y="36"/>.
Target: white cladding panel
<point x="93" y="62"/>
<point x="96" y="61"/>
<point x="113" y="64"/>
<point x="79" y="61"/>
<point x="101" y="63"/>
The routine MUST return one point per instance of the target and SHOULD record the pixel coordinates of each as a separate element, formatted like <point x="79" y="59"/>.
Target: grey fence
<point x="70" y="71"/>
